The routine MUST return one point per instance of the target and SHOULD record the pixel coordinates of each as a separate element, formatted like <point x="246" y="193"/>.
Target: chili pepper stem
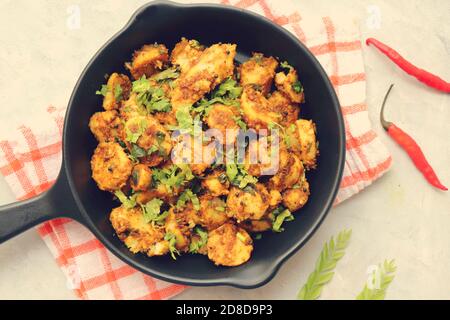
<point x="384" y="123"/>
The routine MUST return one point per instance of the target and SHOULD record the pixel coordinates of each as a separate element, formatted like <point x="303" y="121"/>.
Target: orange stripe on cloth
<point x="335" y="47"/>
<point x="104" y="278"/>
<point x="368" y="175"/>
<point x="356" y="142"/>
<point x="355" y="108"/>
<point x="17" y="166"/>
<point x="337" y="80"/>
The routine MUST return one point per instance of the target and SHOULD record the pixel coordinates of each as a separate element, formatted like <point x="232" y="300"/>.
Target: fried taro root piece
<point x="118" y="89"/>
<point x="223" y="118"/>
<point x="136" y="233"/>
<point x="306" y="143"/>
<point x="216" y="183"/>
<point x="106" y="126"/>
<point x="148" y="60"/>
<point x="257" y="112"/>
<point x="289" y="111"/>
<point x="110" y="166"/>
<point x="248" y="203"/>
<point x="290" y="86"/>
<point x="214" y="65"/>
<point x="229" y="245"/>
<point x="259" y="71"/>
<point x="185" y="54"/>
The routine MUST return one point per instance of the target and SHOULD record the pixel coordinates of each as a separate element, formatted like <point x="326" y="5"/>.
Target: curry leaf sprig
<point x="331" y="253"/>
<point x="379" y="282"/>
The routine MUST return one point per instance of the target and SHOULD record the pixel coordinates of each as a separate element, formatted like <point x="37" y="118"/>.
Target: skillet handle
<point x="17" y="217"/>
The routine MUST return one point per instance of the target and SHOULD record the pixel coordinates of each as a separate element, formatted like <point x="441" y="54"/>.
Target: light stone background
<point x="399" y="217"/>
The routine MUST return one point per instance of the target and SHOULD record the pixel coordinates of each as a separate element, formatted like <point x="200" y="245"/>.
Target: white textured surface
<point x="399" y="217"/>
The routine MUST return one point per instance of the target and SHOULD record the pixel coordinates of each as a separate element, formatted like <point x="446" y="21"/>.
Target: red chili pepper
<point x="411" y="147"/>
<point x="426" y="77"/>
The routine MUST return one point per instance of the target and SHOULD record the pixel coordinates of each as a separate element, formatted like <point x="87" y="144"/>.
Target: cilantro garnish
<point x="297" y="86"/>
<point x="172" y="239"/>
<point x="281" y="215"/>
<point x="152" y="211"/>
<point x="127" y="202"/>
<point x="195" y="246"/>
<point x="103" y="91"/>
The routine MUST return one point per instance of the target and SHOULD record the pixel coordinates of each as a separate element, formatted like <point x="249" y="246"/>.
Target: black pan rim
<point x="275" y="264"/>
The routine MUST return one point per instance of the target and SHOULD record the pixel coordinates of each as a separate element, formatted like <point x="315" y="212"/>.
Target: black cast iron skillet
<point x="75" y="194"/>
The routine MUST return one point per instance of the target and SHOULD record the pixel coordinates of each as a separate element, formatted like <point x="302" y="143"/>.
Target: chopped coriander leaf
<point x="240" y="236"/>
<point x="247" y="179"/>
<point x="238" y="176"/>
<point x="118" y="92"/>
<point x="258" y="236"/>
<point x="151" y="96"/>
<point x="195" y="44"/>
<point x="186" y="196"/>
<point x="128" y="203"/>
<point x="137" y="152"/>
<point x="120" y="142"/>
<point x="152" y="150"/>
<point x="286" y="65"/>
<point x="297" y="86"/>
<point x="167" y="74"/>
<point x="240" y="123"/>
<point x="172" y="239"/>
<point x="232" y="171"/>
<point x="195" y="246"/>
<point x="281" y="217"/>
<point x="184" y="119"/>
<point x="152" y="210"/>
<point x="174" y="176"/>
<point x="103" y="91"/>
<point x="141" y="85"/>
<point x="135" y="133"/>
<point x="228" y="88"/>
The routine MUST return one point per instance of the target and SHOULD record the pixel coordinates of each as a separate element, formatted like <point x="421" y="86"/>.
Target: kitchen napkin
<point x="30" y="163"/>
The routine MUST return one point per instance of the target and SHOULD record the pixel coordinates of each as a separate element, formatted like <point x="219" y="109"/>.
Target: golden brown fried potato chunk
<point x="179" y="223"/>
<point x="195" y="152"/>
<point x="229" y="245"/>
<point x="258" y="71"/>
<point x="296" y="198"/>
<point x="290" y="171"/>
<point x="106" y="126"/>
<point x="275" y="198"/>
<point x="152" y="137"/>
<point x="262" y="157"/>
<point x="280" y="104"/>
<point x="118" y="89"/>
<point x="306" y="145"/>
<point x="213" y="66"/>
<point x="248" y="203"/>
<point x="136" y="233"/>
<point x="256" y="225"/>
<point x="130" y="108"/>
<point x="141" y="177"/>
<point x="256" y="109"/>
<point x="148" y="60"/>
<point x="160" y="191"/>
<point x="212" y="213"/>
<point x="216" y="183"/>
<point x="223" y="118"/>
<point x="186" y="53"/>
<point x="110" y="166"/>
<point x="290" y="85"/>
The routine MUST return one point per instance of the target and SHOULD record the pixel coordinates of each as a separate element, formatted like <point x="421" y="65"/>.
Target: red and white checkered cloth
<point x="31" y="163"/>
